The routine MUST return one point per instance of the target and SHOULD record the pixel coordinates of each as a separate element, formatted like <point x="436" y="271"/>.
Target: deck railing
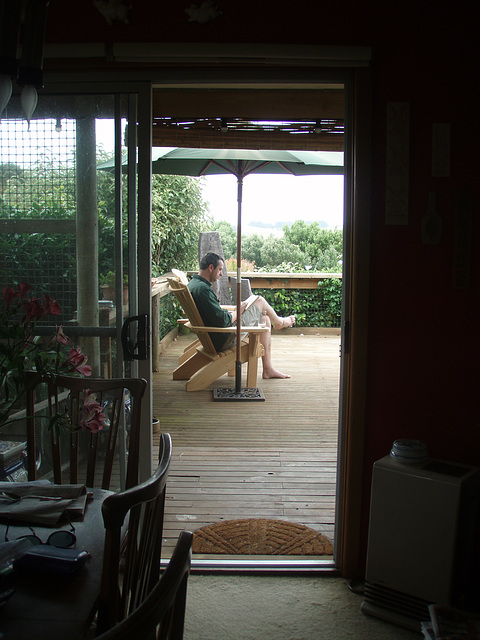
<point x="309" y="280"/>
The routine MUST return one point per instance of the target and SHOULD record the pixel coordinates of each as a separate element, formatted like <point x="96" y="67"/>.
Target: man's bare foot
<point x="285" y="323"/>
<point x="274" y="373"/>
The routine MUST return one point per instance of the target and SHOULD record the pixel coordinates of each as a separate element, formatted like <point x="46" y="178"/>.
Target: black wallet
<point x="46" y="558"/>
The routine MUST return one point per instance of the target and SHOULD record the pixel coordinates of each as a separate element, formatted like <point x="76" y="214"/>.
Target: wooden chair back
<point x="180" y="275"/>
<point x="75" y="455"/>
<point x="184" y="297"/>
<point x="140" y="551"/>
<point x="162" y="614"/>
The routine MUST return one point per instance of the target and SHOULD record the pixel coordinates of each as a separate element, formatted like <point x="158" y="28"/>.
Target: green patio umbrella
<point x="241" y="163"/>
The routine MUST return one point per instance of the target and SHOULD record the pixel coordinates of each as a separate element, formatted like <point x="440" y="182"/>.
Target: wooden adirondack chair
<point x="200" y="364"/>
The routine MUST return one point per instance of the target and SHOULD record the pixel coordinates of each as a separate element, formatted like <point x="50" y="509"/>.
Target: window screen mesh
<point x="37" y="191"/>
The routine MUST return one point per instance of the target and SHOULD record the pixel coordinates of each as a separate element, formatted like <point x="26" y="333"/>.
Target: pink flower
<point x="8" y="295"/>
<point x="22" y="349"/>
<point x="23" y="289"/>
<point x="51" y="306"/>
<point x="60" y="336"/>
<point x="77" y="360"/>
<point x="55" y="309"/>
<point x="33" y="310"/>
<point x="92" y="416"/>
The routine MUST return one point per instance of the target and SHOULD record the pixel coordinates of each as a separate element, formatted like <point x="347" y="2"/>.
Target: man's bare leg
<point x="278" y="322"/>
<point x="269" y="370"/>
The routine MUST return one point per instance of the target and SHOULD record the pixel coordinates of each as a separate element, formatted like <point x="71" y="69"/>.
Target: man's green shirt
<point x="209" y="308"/>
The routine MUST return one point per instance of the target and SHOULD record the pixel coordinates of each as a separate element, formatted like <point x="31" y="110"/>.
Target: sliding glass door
<point x="69" y="225"/>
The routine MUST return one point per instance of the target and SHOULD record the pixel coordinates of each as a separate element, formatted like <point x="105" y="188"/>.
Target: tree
<point x="329" y="261"/>
<point x="314" y="241"/>
<point x="106" y="217"/>
<point x="179" y="214"/>
<point x="302" y="244"/>
<point x="47" y="261"/>
<point x="252" y="247"/>
<point x="277" y="250"/>
<point x="228" y="237"/>
<point x="44" y="191"/>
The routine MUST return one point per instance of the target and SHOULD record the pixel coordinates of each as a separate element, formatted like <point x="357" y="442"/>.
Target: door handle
<point x="136" y="349"/>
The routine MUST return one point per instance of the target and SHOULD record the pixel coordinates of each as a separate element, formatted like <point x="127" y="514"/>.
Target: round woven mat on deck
<point x="257" y="536"/>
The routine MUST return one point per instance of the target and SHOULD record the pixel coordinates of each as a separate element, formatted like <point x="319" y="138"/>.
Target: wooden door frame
<point x="348" y="552"/>
<point x="348" y="513"/>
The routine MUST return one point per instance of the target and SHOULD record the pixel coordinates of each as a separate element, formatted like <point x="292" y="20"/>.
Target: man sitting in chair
<point x="213" y="315"/>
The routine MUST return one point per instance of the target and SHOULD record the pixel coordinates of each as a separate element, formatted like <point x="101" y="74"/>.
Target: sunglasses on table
<point x="61" y="539"/>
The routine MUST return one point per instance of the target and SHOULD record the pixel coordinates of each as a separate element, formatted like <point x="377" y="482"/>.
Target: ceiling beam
<point x="249" y="103"/>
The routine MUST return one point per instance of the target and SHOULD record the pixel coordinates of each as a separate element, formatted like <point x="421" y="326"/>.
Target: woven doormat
<point x="257" y="536"/>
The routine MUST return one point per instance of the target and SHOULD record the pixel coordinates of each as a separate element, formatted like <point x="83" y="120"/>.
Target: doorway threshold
<point x="263" y="565"/>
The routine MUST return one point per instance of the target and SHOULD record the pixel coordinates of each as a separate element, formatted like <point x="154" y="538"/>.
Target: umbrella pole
<point x="238" y="393"/>
<point x="238" y="364"/>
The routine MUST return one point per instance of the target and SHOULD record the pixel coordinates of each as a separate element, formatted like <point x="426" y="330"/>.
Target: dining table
<point x="51" y="606"/>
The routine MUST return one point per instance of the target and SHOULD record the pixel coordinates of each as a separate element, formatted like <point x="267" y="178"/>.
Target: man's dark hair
<point x="208" y="259"/>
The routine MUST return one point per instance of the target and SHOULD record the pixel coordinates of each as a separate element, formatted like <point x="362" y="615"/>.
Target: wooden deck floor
<point x="272" y="459"/>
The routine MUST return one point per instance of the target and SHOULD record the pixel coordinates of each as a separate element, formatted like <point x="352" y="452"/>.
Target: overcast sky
<point x="276" y="198"/>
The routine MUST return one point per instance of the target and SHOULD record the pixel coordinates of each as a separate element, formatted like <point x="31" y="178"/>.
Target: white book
<point x="250" y="300"/>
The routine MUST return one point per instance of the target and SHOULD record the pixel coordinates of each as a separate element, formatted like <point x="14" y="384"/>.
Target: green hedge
<point x="320" y="307"/>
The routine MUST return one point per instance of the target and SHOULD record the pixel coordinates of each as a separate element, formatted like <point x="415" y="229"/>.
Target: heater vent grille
<point x="400" y="603"/>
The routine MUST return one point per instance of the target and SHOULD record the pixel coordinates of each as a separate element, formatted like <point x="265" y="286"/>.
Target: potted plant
<point x="107" y="285"/>
<point x="21" y="350"/>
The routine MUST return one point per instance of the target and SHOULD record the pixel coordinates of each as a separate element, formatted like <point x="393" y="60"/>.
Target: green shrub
<point x="170" y="312"/>
<point x="320" y="307"/>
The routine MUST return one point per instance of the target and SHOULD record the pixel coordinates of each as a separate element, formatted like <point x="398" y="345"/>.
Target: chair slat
<point x="143" y="507"/>
<point x="161" y="616"/>
<point x="82" y="456"/>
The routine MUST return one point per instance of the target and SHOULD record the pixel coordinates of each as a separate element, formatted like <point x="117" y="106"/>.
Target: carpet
<point x="258" y="536"/>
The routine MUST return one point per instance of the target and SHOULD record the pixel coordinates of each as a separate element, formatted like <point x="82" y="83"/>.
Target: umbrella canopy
<point x="204" y="162"/>
<point x="242" y="162"/>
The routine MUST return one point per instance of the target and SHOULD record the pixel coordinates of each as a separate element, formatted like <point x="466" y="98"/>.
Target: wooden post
<point x="155" y="332"/>
<point x="210" y="241"/>
<point x="87" y="237"/>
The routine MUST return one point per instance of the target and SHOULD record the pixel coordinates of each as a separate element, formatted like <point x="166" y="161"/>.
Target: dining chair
<point x="131" y="562"/>
<point x="59" y="446"/>
<point x="161" y="616"/>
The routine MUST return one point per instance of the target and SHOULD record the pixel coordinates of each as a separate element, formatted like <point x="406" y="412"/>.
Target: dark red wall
<point x="423" y="370"/>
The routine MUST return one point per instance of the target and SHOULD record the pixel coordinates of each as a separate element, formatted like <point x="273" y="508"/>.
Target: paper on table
<point x="41" y="503"/>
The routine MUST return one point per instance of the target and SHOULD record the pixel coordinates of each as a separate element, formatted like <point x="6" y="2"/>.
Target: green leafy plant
<point x="170" y="312"/>
<point x="179" y="214"/>
<point x="108" y="279"/>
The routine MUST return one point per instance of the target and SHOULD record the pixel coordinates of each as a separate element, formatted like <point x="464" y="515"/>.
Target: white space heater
<point x="422" y="541"/>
